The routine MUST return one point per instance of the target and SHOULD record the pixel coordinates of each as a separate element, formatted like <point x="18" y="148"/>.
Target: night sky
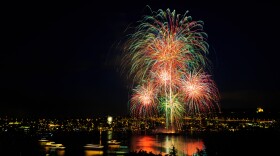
<point x="61" y="58"/>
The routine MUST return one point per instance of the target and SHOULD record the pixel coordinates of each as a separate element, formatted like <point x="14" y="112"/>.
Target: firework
<point x="200" y="93"/>
<point x="143" y="101"/>
<point x="163" y="56"/>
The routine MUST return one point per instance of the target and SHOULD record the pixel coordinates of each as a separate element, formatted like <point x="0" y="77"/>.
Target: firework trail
<point x="166" y="58"/>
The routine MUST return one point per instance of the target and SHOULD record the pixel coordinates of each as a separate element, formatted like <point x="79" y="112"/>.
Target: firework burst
<point x="143" y="101"/>
<point x="200" y="93"/>
<point x="162" y="56"/>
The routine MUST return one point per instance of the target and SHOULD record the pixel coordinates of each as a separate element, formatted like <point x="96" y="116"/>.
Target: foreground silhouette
<point x="173" y="152"/>
<point x="143" y="152"/>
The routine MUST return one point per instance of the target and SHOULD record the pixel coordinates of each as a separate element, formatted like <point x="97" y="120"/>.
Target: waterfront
<point x="246" y="143"/>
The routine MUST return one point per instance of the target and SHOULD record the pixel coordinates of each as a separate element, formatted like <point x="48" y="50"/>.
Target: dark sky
<point x="59" y="58"/>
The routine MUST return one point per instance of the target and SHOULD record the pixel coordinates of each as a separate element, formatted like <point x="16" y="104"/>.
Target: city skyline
<point x="62" y="58"/>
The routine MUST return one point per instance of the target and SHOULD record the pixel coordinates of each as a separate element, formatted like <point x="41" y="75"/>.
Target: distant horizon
<point x="88" y="115"/>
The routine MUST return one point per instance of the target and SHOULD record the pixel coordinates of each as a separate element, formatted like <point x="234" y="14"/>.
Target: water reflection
<point x="93" y="152"/>
<point x="157" y="144"/>
<point x="162" y="144"/>
<point x="60" y="152"/>
<point x="52" y="148"/>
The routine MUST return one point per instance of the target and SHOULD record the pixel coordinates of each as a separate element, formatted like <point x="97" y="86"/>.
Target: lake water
<point x="222" y="144"/>
<point x="163" y="143"/>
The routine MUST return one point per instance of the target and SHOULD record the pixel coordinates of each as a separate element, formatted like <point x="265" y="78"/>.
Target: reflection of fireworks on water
<point x="163" y="56"/>
<point x="163" y="144"/>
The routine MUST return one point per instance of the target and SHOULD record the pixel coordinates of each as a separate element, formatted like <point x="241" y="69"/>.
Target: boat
<point x="49" y="143"/>
<point x="93" y="147"/>
<point x="43" y="141"/>
<point x="113" y="144"/>
<point x="57" y="146"/>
